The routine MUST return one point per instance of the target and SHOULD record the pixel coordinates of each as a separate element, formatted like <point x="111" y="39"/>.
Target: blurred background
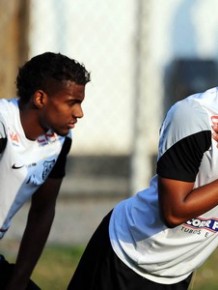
<point x="143" y="56"/>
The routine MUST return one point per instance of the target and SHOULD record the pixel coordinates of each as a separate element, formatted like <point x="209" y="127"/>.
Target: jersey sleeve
<point x="3" y="137"/>
<point x="185" y="136"/>
<point x="58" y="170"/>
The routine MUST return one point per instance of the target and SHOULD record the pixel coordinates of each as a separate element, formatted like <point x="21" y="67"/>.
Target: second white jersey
<point x="24" y="164"/>
<point x="187" y="152"/>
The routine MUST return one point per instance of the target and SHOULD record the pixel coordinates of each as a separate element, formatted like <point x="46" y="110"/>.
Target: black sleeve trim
<point x="183" y="159"/>
<point x="3" y="143"/>
<point x="3" y="138"/>
<point x="58" y="170"/>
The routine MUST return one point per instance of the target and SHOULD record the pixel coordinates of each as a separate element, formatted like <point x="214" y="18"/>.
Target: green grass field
<point x="56" y="267"/>
<point x="57" y="264"/>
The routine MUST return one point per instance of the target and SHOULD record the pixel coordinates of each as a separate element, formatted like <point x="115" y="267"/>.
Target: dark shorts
<point x="5" y="274"/>
<point x="101" y="269"/>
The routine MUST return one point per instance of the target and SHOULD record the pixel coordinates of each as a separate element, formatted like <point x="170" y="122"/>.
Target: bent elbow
<point x="172" y="221"/>
<point x="170" y="224"/>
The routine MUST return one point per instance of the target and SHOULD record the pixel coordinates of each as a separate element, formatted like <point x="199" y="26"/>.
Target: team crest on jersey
<point x="48" y="165"/>
<point x="35" y="178"/>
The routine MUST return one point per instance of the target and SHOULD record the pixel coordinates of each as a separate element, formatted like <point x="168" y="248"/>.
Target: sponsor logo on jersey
<point x="14" y="137"/>
<point x="17" y="166"/>
<point x="49" y="137"/>
<point x="200" y="223"/>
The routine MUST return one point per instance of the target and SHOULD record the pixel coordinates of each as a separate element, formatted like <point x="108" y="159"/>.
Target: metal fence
<point x="112" y="144"/>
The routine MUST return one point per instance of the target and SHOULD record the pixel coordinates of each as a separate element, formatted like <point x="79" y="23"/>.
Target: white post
<point x="141" y="165"/>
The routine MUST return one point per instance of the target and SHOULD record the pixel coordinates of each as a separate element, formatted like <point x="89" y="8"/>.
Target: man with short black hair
<point x="35" y="138"/>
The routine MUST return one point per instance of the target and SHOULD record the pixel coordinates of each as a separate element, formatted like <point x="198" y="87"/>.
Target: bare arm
<point x="38" y="226"/>
<point x="179" y="201"/>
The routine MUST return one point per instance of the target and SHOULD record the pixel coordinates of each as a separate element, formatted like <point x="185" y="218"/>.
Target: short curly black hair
<point x="36" y="73"/>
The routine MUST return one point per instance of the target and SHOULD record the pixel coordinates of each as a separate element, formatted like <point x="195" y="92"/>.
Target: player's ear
<point x="39" y="99"/>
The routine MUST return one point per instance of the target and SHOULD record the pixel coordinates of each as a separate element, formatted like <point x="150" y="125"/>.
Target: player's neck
<point x="30" y="124"/>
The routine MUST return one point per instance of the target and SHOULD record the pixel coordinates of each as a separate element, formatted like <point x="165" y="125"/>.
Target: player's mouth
<point x="71" y="125"/>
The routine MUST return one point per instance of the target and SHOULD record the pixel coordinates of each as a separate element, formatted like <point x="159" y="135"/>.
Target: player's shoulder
<point x="185" y="118"/>
<point x="68" y="142"/>
<point x="189" y="112"/>
<point x="8" y="106"/>
<point x="3" y="104"/>
<point x="198" y="103"/>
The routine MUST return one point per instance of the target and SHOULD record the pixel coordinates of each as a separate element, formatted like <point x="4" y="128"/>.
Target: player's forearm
<point x="183" y="204"/>
<point x="32" y="244"/>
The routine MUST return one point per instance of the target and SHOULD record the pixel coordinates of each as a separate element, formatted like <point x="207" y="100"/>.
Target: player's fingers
<point x="215" y="133"/>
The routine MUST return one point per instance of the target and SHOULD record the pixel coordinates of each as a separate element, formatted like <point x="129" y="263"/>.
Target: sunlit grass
<point x="206" y="277"/>
<point x="55" y="267"/>
<point x="57" y="264"/>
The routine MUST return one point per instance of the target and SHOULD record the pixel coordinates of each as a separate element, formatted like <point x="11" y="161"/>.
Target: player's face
<point x="62" y="108"/>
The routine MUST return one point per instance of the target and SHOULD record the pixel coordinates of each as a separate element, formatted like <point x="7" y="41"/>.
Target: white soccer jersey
<point x="187" y="152"/>
<point x="25" y="164"/>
